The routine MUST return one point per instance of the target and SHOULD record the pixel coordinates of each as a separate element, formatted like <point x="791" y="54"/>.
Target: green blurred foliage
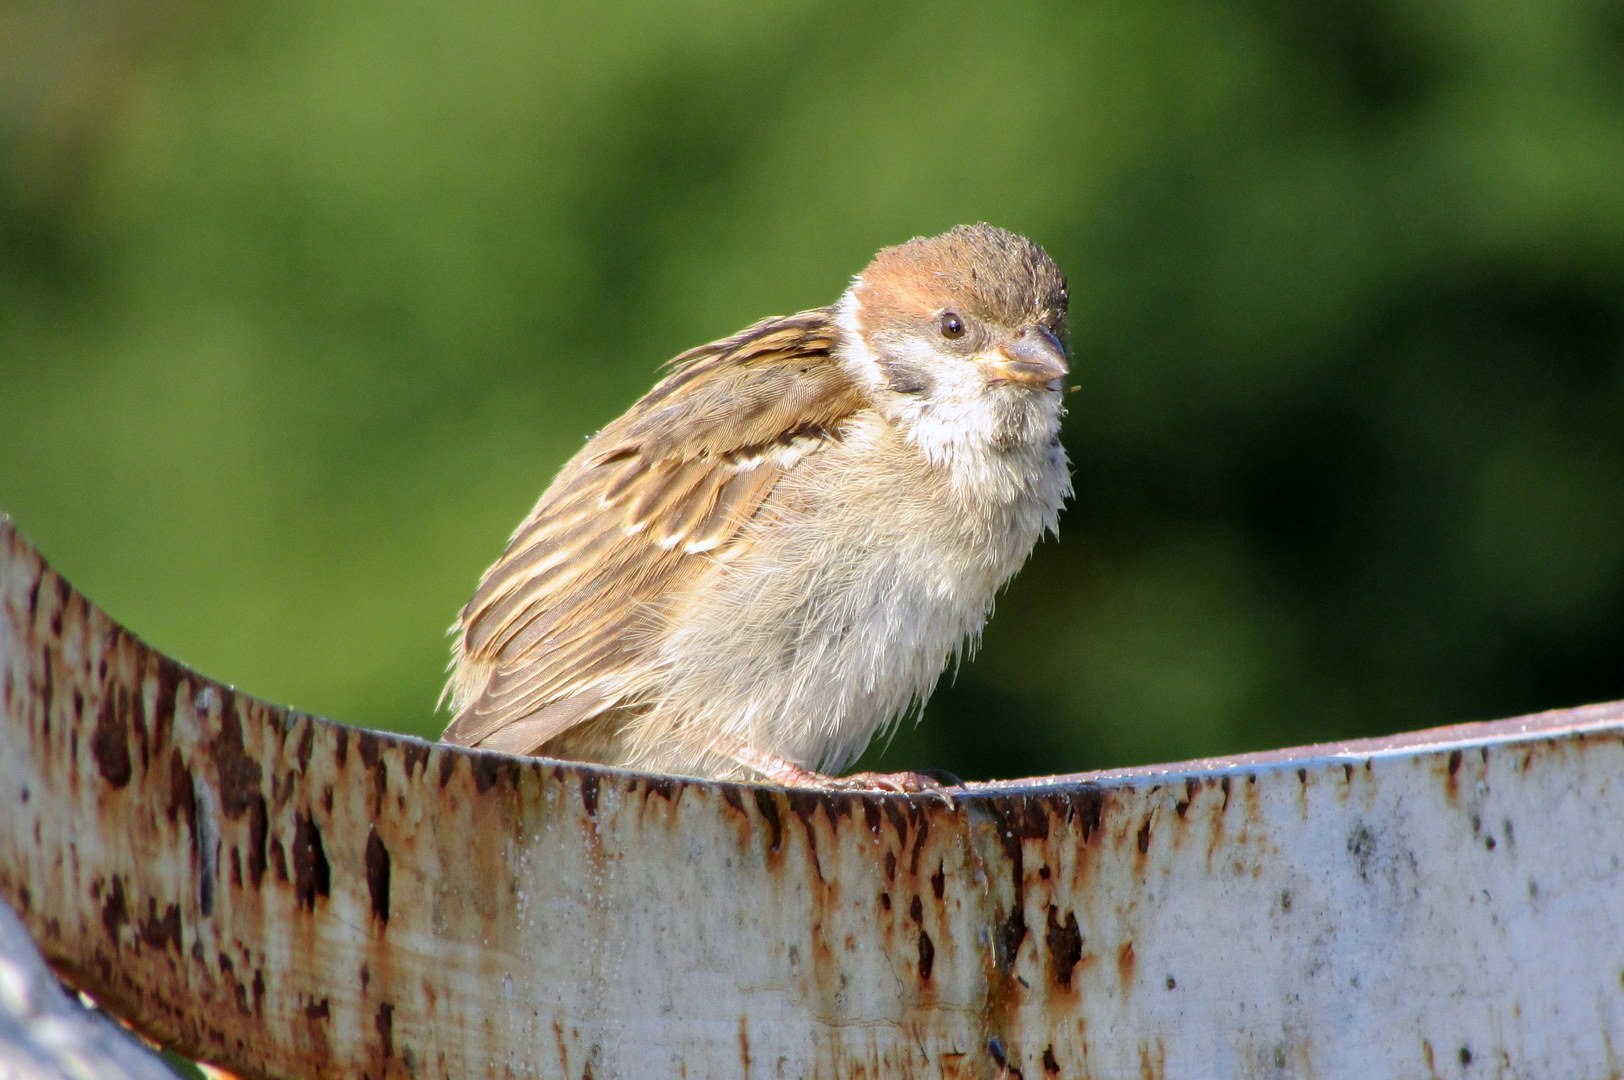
<point x="301" y="305"/>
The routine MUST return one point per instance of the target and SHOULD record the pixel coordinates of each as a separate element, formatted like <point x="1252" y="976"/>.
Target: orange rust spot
<point x="1451" y="783"/>
<point x="1152" y="1060"/>
<point x="1126" y="964"/>
<point x="1216" y="824"/>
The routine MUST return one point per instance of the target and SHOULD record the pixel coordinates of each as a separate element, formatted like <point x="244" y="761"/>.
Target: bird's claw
<point x="899" y="783"/>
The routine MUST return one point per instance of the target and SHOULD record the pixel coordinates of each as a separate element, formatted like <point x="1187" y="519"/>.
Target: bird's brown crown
<point x="981" y="271"/>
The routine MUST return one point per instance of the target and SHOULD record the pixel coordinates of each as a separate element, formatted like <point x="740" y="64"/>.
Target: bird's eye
<point x="952" y="326"/>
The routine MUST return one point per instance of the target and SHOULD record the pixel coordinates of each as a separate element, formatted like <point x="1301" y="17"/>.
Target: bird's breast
<point x="864" y="575"/>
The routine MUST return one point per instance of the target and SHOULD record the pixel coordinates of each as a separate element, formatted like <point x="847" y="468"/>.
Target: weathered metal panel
<point x="293" y="897"/>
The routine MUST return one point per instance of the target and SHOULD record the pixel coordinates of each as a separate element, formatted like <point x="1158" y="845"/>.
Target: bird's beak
<point x="1033" y="357"/>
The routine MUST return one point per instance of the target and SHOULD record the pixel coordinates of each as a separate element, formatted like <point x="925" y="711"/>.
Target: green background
<point x="302" y="304"/>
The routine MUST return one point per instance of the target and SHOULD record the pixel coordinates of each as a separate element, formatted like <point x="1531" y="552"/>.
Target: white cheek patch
<point x="858" y="359"/>
<point x="959" y="414"/>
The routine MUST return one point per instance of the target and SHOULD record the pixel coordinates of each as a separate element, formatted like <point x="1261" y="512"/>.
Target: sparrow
<point x="775" y="553"/>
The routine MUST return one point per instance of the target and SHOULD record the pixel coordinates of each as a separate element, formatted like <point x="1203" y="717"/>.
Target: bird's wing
<point x="563" y="620"/>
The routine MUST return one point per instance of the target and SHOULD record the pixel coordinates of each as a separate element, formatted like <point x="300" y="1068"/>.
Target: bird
<point x="775" y="553"/>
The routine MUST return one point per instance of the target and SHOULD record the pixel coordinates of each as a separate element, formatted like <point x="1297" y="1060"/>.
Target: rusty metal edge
<point x="116" y="719"/>
<point x="1548" y="724"/>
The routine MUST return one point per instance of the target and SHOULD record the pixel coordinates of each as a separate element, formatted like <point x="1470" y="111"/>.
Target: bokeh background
<point x="302" y="304"/>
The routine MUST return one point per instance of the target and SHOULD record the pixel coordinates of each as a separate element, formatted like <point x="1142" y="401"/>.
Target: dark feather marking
<point x="907" y="378"/>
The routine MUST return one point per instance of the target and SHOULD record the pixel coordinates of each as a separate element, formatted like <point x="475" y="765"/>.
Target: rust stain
<point x="377" y="870"/>
<point x="383" y="1023"/>
<point x="767" y="809"/>
<point x="108" y="742"/>
<point x="589" y="795"/>
<point x="927" y="956"/>
<point x="1065" y="941"/>
<point x="115" y="913"/>
<point x="1125" y="966"/>
<point x="160" y="932"/>
<point x="312" y="875"/>
<point x="239" y="774"/>
<point x="1152" y="1060"/>
<point x="492" y="769"/>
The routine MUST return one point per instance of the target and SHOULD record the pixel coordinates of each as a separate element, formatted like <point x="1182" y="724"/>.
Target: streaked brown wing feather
<point x="565" y="615"/>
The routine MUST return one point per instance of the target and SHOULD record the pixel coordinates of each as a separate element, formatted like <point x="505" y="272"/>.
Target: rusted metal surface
<point x="292" y="897"/>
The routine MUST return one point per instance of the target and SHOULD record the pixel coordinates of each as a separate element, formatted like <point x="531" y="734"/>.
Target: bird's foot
<point x="781" y="771"/>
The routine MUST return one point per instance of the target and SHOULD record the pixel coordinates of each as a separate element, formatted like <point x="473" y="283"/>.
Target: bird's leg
<point x="783" y="771"/>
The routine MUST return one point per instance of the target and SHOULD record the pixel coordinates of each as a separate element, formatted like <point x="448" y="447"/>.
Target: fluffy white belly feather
<point x="838" y="622"/>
